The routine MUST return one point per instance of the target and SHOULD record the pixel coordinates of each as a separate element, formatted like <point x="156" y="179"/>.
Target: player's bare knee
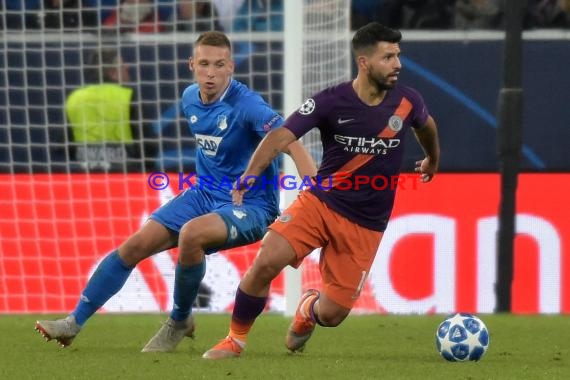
<point x="190" y="237"/>
<point x="150" y="239"/>
<point x="134" y="250"/>
<point x="265" y="268"/>
<point x="192" y="243"/>
<point x="274" y="255"/>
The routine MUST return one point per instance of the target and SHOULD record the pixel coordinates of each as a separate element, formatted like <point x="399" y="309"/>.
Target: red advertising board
<point x="440" y="250"/>
<point x="438" y="254"/>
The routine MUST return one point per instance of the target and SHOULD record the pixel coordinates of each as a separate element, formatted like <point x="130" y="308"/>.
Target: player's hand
<point x="241" y="186"/>
<point x="427" y="168"/>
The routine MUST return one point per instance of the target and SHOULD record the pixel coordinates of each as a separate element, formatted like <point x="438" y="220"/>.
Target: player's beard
<point x="379" y="81"/>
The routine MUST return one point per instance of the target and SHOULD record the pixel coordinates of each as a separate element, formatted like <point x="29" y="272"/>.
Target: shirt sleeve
<point x="308" y="116"/>
<point x="260" y="117"/>
<point x="420" y="112"/>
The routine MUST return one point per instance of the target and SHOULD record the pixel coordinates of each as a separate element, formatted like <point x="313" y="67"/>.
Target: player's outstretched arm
<point x="271" y="145"/>
<point x="429" y="141"/>
<point x="304" y="162"/>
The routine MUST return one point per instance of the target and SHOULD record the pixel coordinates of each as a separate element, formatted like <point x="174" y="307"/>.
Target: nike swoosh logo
<point x="343" y="121"/>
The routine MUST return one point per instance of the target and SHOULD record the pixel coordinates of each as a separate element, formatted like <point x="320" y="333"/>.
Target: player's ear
<point x="362" y="62"/>
<point x="231" y="66"/>
<point x="191" y="63"/>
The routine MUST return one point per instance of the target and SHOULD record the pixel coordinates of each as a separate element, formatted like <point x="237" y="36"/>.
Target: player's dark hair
<point x="98" y="63"/>
<point x="369" y="35"/>
<point x="214" y="38"/>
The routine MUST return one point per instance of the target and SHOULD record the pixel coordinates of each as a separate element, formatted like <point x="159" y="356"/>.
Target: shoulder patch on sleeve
<point x="267" y="126"/>
<point x="307" y="107"/>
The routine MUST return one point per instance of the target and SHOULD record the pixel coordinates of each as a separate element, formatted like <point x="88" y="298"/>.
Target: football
<point x="462" y="337"/>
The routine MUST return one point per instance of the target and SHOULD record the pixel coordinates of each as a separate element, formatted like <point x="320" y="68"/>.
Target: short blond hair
<point x="214" y="38"/>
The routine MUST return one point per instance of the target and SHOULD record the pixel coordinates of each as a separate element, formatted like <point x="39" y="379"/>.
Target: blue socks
<point x="113" y="272"/>
<point x="186" y="285"/>
<point x="108" y="279"/>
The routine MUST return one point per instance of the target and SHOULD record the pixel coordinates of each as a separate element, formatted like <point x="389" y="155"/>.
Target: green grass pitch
<point x="363" y="347"/>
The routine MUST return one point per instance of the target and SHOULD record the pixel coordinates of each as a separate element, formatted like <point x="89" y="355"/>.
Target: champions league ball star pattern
<point x="462" y="337"/>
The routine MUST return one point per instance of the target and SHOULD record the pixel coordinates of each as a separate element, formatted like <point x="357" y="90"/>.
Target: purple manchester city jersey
<point x="363" y="148"/>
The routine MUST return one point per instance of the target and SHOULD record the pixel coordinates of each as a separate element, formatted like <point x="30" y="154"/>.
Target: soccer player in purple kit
<point x="363" y="124"/>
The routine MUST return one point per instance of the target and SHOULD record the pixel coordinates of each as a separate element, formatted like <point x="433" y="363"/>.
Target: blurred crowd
<point x="458" y="14"/>
<point x="144" y="16"/>
<point x="155" y="16"/>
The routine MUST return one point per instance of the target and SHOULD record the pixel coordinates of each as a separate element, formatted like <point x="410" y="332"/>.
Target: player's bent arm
<point x="429" y="141"/>
<point x="305" y="164"/>
<point x="271" y="145"/>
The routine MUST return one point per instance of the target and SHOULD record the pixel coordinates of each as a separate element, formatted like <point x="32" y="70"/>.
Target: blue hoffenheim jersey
<point x="227" y="133"/>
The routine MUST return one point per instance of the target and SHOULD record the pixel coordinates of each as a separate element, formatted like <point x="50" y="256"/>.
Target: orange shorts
<point x="348" y="249"/>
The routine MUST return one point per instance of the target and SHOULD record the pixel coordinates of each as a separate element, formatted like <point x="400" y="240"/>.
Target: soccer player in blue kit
<point x="228" y="121"/>
<point x="363" y="124"/>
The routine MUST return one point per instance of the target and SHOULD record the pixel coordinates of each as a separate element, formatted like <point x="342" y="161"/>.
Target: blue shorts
<point x="245" y="224"/>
